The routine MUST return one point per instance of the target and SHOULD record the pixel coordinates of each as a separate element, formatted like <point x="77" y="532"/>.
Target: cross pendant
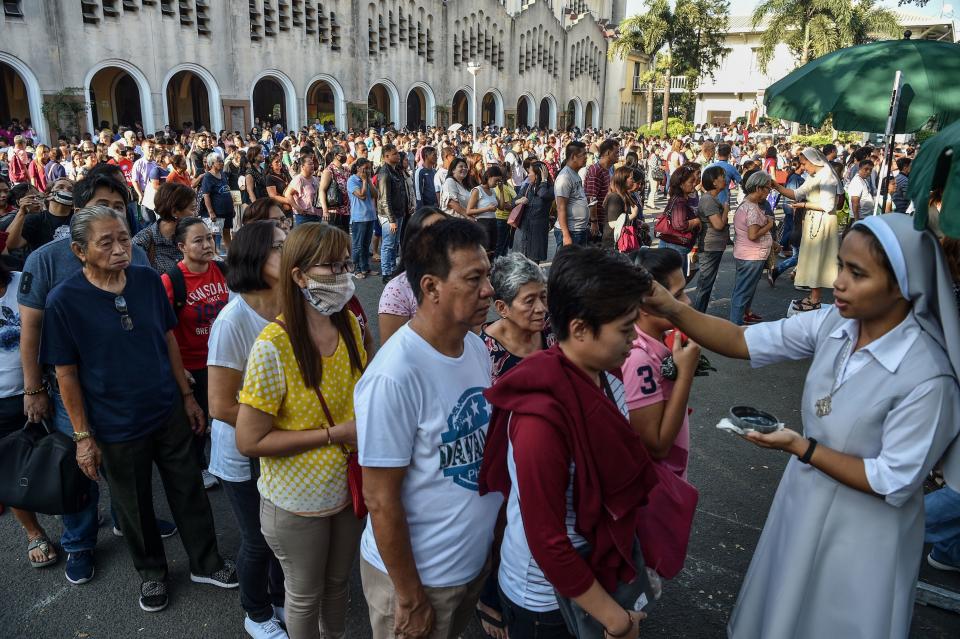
<point x="823" y="406"/>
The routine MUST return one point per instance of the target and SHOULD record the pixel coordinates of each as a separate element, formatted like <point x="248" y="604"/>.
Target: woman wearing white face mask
<point x="297" y="415"/>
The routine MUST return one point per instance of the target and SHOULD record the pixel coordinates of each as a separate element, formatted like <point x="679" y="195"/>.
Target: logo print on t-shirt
<point x="461" y="448"/>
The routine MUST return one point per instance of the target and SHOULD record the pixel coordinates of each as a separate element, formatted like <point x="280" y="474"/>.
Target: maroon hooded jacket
<point x="555" y="414"/>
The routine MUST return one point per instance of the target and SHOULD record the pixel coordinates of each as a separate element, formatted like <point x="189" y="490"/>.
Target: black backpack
<point x="179" y="284"/>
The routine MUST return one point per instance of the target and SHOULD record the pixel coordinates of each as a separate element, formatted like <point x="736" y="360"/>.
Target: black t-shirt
<point x="40" y="228"/>
<point x="196" y="162"/>
<point x="278" y="182"/>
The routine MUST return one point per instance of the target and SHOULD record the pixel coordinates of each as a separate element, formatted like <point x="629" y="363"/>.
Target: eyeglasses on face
<point x="126" y="322"/>
<point x="338" y="268"/>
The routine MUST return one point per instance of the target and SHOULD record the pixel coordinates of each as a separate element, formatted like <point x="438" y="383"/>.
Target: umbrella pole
<point x="889" y="136"/>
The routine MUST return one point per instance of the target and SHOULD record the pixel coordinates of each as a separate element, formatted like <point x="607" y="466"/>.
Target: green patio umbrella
<point x="854" y="86"/>
<point x="937" y="166"/>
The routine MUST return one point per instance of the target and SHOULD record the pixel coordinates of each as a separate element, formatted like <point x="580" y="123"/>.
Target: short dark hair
<point x="259" y="209"/>
<point x="183" y="225"/>
<point x="659" y="262"/>
<point x="827" y="149"/>
<point x="249" y="250"/>
<point x="85" y="188"/>
<point x="607" y="145"/>
<point x="593" y="285"/>
<point x="428" y="252"/>
<point x="865" y="162"/>
<point x="723" y="150"/>
<point x="492" y="171"/>
<point x="171" y="197"/>
<point x="903" y="163"/>
<point x="573" y="148"/>
<point x="427" y="150"/>
<point x="710" y="175"/>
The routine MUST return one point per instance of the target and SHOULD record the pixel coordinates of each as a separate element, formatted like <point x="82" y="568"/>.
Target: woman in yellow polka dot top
<point x="305" y="510"/>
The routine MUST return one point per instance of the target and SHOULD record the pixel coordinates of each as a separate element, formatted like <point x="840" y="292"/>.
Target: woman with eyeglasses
<point x="266" y="208"/>
<point x="197" y="290"/>
<point x="108" y="319"/>
<point x="253" y="276"/>
<point x="297" y="415"/>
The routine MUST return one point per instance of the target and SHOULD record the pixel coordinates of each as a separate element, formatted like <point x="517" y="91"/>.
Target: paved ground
<point x="736" y="483"/>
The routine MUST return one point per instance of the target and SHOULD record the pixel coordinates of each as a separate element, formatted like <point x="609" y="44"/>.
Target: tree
<point x="64" y="108"/>
<point x="812" y="28"/>
<point x="700" y="44"/>
<point x="650" y="33"/>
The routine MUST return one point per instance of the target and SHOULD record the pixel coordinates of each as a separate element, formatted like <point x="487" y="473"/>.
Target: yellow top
<point x="313" y="483"/>
<point x="506" y="193"/>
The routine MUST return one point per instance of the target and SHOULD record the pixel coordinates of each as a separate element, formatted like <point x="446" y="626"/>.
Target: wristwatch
<point x="78" y="437"/>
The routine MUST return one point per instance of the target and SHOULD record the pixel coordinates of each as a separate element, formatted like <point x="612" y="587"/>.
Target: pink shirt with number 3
<point x="645" y="386"/>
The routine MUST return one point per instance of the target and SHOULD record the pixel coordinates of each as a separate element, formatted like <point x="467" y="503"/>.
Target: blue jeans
<point x="787" y="226"/>
<point x="259" y="572"/>
<point x="390" y="248"/>
<point x="504" y="237"/>
<point x="299" y="219"/>
<point x="361" y="233"/>
<point x="790" y="262"/>
<point x="79" y="529"/>
<point x="682" y="250"/>
<point x="744" y="287"/>
<point x="580" y="238"/>
<point x="943" y="525"/>
<point x="709" y="267"/>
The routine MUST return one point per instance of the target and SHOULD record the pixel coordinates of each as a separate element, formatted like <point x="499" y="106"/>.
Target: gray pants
<point x="316" y="554"/>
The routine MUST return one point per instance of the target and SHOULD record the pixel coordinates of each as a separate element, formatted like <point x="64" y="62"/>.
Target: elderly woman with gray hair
<point x="217" y="203"/>
<point x="817" y="264"/>
<point x="106" y="320"/>
<point x="751" y="246"/>
<point x="520" y="298"/>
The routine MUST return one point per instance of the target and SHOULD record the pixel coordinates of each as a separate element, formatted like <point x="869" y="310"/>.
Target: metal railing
<point x="678" y="84"/>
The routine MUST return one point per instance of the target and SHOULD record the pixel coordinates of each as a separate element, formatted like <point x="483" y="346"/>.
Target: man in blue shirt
<point x="901" y="201"/>
<point x="424" y="176"/>
<point x="723" y="161"/>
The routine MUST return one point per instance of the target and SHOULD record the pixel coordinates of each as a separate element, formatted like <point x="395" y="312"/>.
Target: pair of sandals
<point x="805" y="305"/>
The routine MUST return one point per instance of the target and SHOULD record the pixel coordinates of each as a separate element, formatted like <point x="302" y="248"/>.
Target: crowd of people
<point x="515" y="469"/>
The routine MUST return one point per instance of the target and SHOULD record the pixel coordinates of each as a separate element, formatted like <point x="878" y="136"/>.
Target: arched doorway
<point x="548" y="114"/>
<point x="321" y="104"/>
<point x="416" y="109"/>
<point x="20" y="98"/>
<point x="14" y="101"/>
<point x="460" y="108"/>
<point x="491" y="110"/>
<point x="115" y="99"/>
<point x="188" y="102"/>
<point x="269" y="102"/>
<point x="591" y="115"/>
<point x="573" y="116"/>
<point x="378" y="106"/>
<point x="524" y="108"/>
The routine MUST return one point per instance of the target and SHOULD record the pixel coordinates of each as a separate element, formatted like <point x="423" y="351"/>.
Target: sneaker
<point x="269" y="629"/>
<point x="166" y="528"/>
<point x="209" y="481"/>
<point x="80" y="567"/>
<point x="226" y="577"/>
<point x="153" y="596"/>
<point x="939" y="565"/>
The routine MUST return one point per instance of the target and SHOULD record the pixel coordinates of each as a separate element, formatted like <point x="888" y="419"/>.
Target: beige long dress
<point x="817" y="264"/>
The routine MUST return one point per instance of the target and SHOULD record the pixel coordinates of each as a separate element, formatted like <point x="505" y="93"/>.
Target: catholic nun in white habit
<point x="840" y="551"/>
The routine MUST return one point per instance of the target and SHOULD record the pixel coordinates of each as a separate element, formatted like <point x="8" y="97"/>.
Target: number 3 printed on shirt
<point x="648" y="383"/>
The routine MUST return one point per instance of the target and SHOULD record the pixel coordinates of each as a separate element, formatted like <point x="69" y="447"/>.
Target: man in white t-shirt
<point x="862" y="191"/>
<point x="422" y="422"/>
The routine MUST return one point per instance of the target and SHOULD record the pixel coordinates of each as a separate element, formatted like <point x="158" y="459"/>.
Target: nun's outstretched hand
<point x="785" y="439"/>
<point x="659" y="301"/>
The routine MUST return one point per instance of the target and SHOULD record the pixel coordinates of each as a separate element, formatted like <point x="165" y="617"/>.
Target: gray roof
<point x="744" y="23"/>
